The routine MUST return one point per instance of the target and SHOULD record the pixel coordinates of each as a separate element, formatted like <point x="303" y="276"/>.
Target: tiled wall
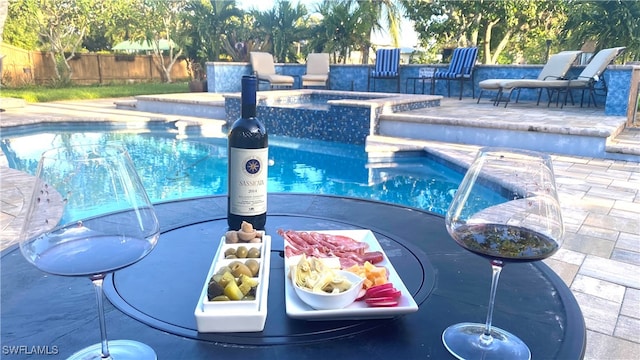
<point x="225" y="77"/>
<point x="281" y="116"/>
<point x="326" y="125"/>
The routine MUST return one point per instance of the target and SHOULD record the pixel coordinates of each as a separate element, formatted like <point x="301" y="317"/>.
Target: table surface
<point x="154" y="300"/>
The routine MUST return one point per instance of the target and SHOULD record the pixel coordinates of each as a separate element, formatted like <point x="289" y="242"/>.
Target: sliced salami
<point x="349" y="251"/>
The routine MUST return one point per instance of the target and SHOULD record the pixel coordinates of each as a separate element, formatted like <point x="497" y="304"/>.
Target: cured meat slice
<point x="349" y="251"/>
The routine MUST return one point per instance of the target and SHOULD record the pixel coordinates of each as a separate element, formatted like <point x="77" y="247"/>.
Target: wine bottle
<point x="248" y="161"/>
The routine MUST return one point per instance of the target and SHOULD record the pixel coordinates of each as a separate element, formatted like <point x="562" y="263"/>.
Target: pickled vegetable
<point x="227" y="287"/>
<point x="311" y="274"/>
<point x="214" y="289"/>
<point x="246" y="234"/>
<point x="232" y="291"/>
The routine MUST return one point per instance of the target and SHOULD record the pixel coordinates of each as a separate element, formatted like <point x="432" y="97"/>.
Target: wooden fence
<point x="23" y="67"/>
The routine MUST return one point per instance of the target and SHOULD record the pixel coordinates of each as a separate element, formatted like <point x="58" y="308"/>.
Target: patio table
<point x="431" y="80"/>
<point x="154" y="300"/>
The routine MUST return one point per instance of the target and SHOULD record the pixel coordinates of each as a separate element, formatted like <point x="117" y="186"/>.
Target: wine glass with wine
<point x="525" y="225"/>
<point x="90" y="215"/>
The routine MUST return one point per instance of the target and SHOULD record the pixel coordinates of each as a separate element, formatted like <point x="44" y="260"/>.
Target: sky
<point x="408" y="37"/>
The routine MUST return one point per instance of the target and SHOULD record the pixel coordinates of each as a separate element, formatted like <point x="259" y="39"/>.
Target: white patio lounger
<point x="556" y="68"/>
<point x="587" y="79"/>
<point x="265" y="70"/>
<point x="317" y="73"/>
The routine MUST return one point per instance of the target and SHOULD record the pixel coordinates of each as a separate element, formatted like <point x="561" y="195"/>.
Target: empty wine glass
<point x="525" y="225"/>
<point x="90" y="215"/>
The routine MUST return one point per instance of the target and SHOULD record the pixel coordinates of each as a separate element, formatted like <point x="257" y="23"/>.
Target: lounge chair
<point x="460" y="69"/>
<point x="587" y="80"/>
<point x="386" y="67"/>
<point x="591" y="76"/>
<point x="265" y="70"/>
<point x="556" y="68"/>
<point x="317" y="74"/>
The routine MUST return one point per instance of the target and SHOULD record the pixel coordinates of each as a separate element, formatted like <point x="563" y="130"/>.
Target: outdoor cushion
<point x="276" y="79"/>
<point x="387" y="62"/>
<point x="262" y="63"/>
<point x="585" y="81"/>
<point x="317" y="70"/>
<point x="556" y="68"/>
<point x="595" y="68"/>
<point x="265" y="70"/>
<point x="463" y="61"/>
<point x="386" y="67"/>
<point x="491" y="84"/>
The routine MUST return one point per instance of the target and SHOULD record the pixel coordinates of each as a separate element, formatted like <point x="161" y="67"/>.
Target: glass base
<point x="467" y="341"/>
<point x="119" y="350"/>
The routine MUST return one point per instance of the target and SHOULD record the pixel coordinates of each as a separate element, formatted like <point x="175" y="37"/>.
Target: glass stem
<point x="496" y="266"/>
<point x="97" y="285"/>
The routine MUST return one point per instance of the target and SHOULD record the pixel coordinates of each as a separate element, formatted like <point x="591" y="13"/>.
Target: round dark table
<point x="154" y="300"/>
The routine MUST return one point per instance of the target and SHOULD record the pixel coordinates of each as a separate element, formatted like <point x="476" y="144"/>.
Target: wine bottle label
<point x="248" y="181"/>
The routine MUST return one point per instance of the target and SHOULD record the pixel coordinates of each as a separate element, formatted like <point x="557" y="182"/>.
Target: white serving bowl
<point x="326" y="301"/>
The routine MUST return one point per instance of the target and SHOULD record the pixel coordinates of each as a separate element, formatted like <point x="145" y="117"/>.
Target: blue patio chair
<point x="460" y="69"/>
<point x="386" y="67"/>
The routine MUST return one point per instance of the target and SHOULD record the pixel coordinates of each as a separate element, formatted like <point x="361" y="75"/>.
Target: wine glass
<point x="90" y="215"/>
<point x="525" y="224"/>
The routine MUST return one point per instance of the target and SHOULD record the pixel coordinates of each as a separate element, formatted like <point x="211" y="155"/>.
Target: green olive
<point x="221" y="298"/>
<point x="239" y="268"/>
<point x="229" y="251"/>
<point x="241" y="252"/>
<point x="253" y="253"/>
<point x="253" y="265"/>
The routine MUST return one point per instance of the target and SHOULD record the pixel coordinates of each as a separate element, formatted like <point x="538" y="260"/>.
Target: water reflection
<point x="174" y="168"/>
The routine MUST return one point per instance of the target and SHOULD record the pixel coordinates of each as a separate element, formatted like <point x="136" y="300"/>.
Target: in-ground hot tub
<point x="343" y="116"/>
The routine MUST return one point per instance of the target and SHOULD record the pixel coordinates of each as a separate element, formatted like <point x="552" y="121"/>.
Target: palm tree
<point x="339" y="30"/>
<point x="207" y="24"/>
<point x="371" y="12"/>
<point x="283" y="25"/>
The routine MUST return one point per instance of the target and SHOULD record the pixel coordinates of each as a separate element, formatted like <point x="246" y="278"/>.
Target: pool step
<point x="574" y="132"/>
<point x="626" y="142"/>
<point x="204" y="105"/>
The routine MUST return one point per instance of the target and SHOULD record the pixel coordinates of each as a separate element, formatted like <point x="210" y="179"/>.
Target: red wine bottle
<point x="248" y="152"/>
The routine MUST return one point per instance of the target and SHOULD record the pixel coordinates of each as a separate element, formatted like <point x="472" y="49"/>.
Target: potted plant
<point x="198" y="81"/>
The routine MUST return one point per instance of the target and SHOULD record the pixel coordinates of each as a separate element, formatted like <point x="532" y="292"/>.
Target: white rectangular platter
<point x="234" y="316"/>
<point x="358" y="310"/>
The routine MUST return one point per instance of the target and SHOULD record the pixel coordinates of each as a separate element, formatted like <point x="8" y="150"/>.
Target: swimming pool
<point x="176" y="165"/>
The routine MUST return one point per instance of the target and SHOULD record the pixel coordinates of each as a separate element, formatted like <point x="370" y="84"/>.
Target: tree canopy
<point x="506" y="31"/>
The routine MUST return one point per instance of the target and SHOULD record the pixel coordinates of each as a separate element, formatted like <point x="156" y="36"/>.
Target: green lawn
<point x="35" y="94"/>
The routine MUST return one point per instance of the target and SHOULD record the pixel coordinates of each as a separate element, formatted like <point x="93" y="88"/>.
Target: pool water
<point x="178" y="167"/>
